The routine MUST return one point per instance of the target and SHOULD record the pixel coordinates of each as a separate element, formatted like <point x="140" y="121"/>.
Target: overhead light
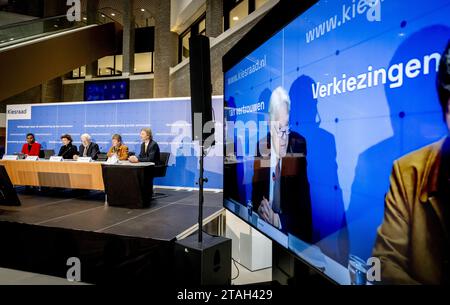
<point x="11" y="39"/>
<point x="235" y="18"/>
<point x="103" y="16"/>
<point x="113" y="14"/>
<point x="84" y="18"/>
<point x="142" y="9"/>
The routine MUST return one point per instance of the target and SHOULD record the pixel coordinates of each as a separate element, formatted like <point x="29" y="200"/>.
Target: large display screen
<point x="334" y="132"/>
<point x="107" y="90"/>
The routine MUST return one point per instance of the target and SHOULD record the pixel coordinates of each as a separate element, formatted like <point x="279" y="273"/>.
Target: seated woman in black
<point x="68" y="150"/>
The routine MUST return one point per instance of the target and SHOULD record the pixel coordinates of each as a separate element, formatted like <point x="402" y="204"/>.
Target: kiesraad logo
<point x="350" y="11"/>
<point x="18" y="112"/>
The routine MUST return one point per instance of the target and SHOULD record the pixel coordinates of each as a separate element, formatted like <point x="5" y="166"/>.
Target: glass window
<point x="238" y="13"/>
<point x="106" y="66"/>
<point x="185" y="45"/>
<point x="197" y="28"/>
<point x="79" y="72"/>
<point x="202" y="27"/>
<point x="83" y="71"/>
<point x="119" y="65"/>
<point x="110" y="65"/>
<point x="259" y="3"/>
<point x="143" y="62"/>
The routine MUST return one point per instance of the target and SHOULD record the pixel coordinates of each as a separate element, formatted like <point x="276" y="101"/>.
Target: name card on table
<point x="10" y="157"/>
<point x="112" y="160"/>
<point x="32" y="158"/>
<point x="84" y="159"/>
<point x="56" y="158"/>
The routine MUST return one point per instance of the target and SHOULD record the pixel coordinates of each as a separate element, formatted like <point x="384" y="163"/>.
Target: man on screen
<point x="413" y="241"/>
<point x="149" y="148"/>
<point x="280" y="184"/>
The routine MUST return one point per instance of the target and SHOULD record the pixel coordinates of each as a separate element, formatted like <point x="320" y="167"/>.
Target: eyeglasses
<point x="283" y="131"/>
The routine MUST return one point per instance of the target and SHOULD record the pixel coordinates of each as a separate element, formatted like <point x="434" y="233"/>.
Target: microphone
<point x="66" y="151"/>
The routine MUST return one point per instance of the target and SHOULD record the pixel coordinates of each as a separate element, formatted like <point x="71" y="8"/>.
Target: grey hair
<point x="278" y="97"/>
<point x="87" y="136"/>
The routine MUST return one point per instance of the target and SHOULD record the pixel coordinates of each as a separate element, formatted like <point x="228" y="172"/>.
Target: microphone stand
<point x="201" y="182"/>
<point x="66" y="151"/>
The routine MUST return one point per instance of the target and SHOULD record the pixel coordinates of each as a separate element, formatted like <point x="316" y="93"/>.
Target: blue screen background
<point x="169" y="119"/>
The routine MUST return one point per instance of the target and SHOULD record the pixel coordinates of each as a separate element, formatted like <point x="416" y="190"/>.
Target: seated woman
<point x="31" y="148"/>
<point x="118" y="149"/>
<point x="67" y="150"/>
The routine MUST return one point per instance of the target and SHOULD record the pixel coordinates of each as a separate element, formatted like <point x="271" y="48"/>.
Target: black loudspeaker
<point x="206" y="263"/>
<point x="8" y="195"/>
<point x="201" y="89"/>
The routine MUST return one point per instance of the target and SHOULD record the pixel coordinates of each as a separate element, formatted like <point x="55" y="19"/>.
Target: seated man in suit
<point x="281" y="193"/>
<point x="413" y="240"/>
<point x="149" y="148"/>
<point x="67" y="150"/>
<point x="31" y="148"/>
<point x="87" y="148"/>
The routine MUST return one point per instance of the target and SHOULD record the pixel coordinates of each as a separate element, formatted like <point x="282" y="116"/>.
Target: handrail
<point x="23" y="31"/>
<point x="22" y="23"/>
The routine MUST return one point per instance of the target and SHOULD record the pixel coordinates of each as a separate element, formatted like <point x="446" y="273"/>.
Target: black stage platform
<point x="113" y="244"/>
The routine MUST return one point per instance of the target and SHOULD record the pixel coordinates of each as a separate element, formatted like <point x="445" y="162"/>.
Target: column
<point x="165" y="49"/>
<point x="92" y="16"/>
<point x="128" y="37"/>
<point x="214" y="14"/>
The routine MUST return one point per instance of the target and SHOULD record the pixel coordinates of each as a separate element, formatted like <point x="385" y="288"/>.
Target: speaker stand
<point x="201" y="181"/>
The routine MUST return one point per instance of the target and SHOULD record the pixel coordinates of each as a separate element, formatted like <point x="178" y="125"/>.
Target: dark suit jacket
<point x="67" y="152"/>
<point x="295" y="199"/>
<point x="152" y="153"/>
<point x="412" y="243"/>
<point x="92" y="152"/>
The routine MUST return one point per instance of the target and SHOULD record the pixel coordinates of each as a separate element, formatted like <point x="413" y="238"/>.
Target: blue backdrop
<point x="362" y="85"/>
<point x="169" y="119"/>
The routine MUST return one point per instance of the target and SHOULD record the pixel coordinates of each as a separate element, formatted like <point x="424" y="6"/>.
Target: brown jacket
<point x="411" y="241"/>
<point x="122" y="152"/>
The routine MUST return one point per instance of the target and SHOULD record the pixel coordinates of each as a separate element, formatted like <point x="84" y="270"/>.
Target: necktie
<point x="276" y="204"/>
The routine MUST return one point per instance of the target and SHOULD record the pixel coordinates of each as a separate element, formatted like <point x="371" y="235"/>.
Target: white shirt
<point x="86" y="147"/>
<point x="146" y="145"/>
